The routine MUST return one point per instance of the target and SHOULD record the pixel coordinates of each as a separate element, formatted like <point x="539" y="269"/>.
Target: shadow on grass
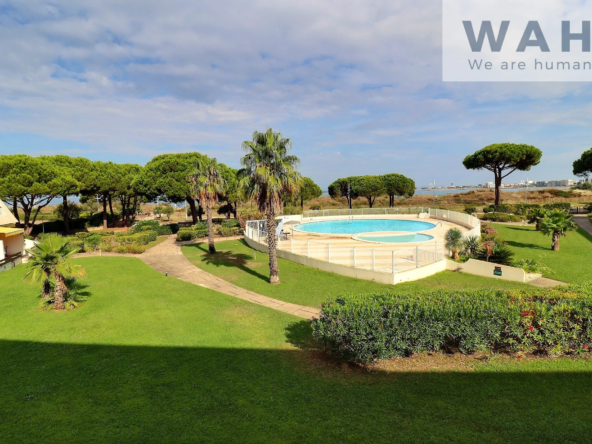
<point x="523" y="245"/>
<point x="61" y="392"/>
<point x="228" y="259"/>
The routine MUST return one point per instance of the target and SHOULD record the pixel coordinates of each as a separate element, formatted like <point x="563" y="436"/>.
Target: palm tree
<point x="471" y="245"/>
<point x="52" y="259"/>
<point x="454" y="242"/>
<point x="208" y="184"/>
<point x="269" y="173"/>
<point x="557" y="224"/>
<point x="536" y="216"/>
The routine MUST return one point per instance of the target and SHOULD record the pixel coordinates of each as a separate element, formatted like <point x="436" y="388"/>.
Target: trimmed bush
<point x="154" y="225"/>
<point x="185" y="235"/>
<point x="520" y="209"/>
<point x="93" y="241"/>
<point x="470" y="210"/>
<point x="78" y="244"/>
<point x="362" y="329"/>
<point x="501" y="217"/>
<point x="231" y="223"/>
<point x="315" y="207"/>
<point x="82" y="235"/>
<point x="563" y="206"/>
<point x="228" y="231"/>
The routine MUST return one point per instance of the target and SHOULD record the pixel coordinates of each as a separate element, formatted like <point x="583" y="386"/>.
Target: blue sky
<point x="355" y="85"/>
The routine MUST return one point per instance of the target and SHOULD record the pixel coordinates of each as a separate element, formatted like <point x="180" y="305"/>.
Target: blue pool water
<point x="364" y="226"/>
<point x="400" y="239"/>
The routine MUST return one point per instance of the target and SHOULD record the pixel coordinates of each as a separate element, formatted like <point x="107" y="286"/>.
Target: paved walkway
<point x="167" y="257"/>
<point x="546" y="283"/>
<point x="584" y="222"/>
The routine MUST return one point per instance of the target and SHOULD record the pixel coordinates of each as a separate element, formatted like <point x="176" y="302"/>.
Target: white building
<point x="12" y="240"/>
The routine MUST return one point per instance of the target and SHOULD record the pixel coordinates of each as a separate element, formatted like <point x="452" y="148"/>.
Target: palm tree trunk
<point x="59" y="293"/>
<point x="211" y="246"/>
<point x="274" y="277"/>
<point x="555" y="245"/>
<point x="46" y="289"/>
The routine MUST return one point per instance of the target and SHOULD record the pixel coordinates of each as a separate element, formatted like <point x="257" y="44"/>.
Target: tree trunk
<point x="66" y="214"/>
<point x="302" y="201"/>
<point x="211" y="246"/>
<point x="274" y="277"/>
<point x="46" y="289"/>
<point x="555" y="245"/>
<point x="111" y="211"/>
<point x="498" y="185"/>
<point x="15" y="210"/>
<point x="191" y="203"/>
<point x="455" y="255"/>
<point x="235" y="210"/>
<point x="59" y="295"/>
<point x="200" y="212"/>
<point x="104" y="213"/>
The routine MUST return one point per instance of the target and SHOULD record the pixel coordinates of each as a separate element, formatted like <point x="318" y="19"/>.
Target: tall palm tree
<point x="269" y="173"/>
<point x="557" y="224"/>
<point x="208" y="184"/>
<point x="52" y="259"/>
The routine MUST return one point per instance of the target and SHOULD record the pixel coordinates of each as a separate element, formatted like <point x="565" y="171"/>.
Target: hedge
<point x="154" y="225"/>
<point x="501" y="217"/>
<point x="563" y="206"/>
<point x="365" y="328"/>
<point x="521" y="209"/>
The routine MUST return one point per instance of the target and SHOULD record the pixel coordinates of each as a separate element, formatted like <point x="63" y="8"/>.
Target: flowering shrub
<point x="365" y="328"/>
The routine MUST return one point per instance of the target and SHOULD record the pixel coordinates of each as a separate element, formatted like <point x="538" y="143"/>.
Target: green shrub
<point x="520" y="209"/>
<point x="531" y="266"/>
<point x="563" y="206"/>
<point x="136" y="249"/>
<point x="315" y="207"/>
<point x="83" y="235"/>
<point x="139" y="226"/>
<point x="202" y="225"/>
<point x="77" y="244"/>
<point x="105" y="233"/>
<point x="470" y="210"/>
<point x="487" y="210"/>
<point x="228" y="231"/>
<point x="365" y="328"/>
<point x="501" y="217"/>
<point x="202" y="232"/>
<point x="291" y="209"/>
<point x="185" y="235"/>
<point x="106" y="247"/>
<point x="121" y="249"/>
<point x="231" y="223"/>
<point x="93" y="241"/>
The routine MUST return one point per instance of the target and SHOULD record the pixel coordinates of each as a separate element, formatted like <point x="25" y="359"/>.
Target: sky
<point x="356" y="85"/>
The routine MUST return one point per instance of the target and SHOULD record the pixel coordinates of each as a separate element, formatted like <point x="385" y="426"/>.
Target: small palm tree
<point x="536" y="216"/>
<point x="557" y="224"/>
<point x="208" y="184"/>
<point x="52" y="258"/>
<point x="454" y="242"/>
<point x="269" y="173"/>
<point x="471" y="245"/>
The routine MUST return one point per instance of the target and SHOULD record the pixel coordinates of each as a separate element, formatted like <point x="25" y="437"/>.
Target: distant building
<point x="542" y="183"/>
<point x="489" y="185"/>
<point x="12" y="240"/>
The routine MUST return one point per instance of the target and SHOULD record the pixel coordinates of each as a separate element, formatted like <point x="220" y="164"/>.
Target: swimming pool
<point x="398" y="239"/>
<point x="357" y="226"/>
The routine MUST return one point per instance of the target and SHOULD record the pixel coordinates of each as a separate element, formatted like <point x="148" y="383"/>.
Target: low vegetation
<point x="363" y="329"/>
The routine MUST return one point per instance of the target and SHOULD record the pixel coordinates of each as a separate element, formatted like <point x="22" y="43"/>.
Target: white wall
<point x="486" y="269"/>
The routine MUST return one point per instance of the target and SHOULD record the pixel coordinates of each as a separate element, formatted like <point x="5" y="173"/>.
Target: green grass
<point x="234" y="262"/>
<point x="570" y="264"/>
<point x="149" y="358"/>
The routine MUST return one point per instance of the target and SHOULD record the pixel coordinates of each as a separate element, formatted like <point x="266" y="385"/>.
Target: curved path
<point x="583" y="222"/>
<point x="167" y="257"/>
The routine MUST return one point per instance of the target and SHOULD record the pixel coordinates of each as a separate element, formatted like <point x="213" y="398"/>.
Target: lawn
<point x="234" y="262"/>
<point x="149" y="358"/>
<point x="570" y="264"/>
